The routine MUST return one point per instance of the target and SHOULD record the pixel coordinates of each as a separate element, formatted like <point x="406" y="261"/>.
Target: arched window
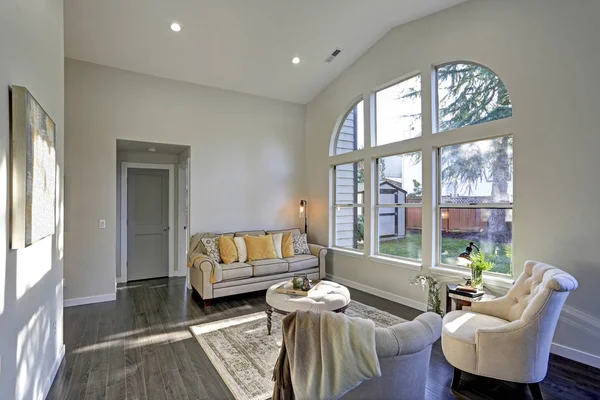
<point x="475" y="177"/>
<point x="469" y="94"/>
<point x="350" y="135"/>
<point x="473" y="181"/>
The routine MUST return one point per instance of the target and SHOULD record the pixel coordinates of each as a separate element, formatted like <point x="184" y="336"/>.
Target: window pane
<point x="478" y="172"/>
<point x="400" y="179"/>
<point x="349" y="227"/>
<point x="400" y="232"/>
<point x="489" y="229"/>
<point x="349" y="183"/>
<point x="398" y="111"/>
<point x="469" y="94"/>
<point x="351" y="135"/>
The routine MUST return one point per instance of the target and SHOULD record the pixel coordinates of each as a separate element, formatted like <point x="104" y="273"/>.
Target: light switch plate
<point x="102" y="224"/>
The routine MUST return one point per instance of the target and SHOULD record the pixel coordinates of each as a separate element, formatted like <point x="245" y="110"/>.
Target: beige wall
<point x="31" y="298"/>
<point x="547" y="53"/>
<point x="247" y="166"/>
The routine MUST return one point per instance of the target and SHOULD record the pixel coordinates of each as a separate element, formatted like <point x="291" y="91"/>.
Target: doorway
<point x="147" y="219"/>
<point x="153" y="181"/>
<point x="147" y="223"/>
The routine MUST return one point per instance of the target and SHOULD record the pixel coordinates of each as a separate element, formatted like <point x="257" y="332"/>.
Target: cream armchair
<point x="509" y="338"/>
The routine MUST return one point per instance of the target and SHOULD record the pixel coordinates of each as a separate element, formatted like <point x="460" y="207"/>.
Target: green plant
<point x="360" y="228"/>
<point x="478" y="265"/>
<point x="434" y="302"/>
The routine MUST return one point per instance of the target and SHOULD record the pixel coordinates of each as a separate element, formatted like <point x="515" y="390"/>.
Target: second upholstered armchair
<point x="509" y="338"/>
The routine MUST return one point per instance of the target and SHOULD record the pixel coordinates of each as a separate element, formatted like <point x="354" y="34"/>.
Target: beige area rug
<point x="244" y="355"/>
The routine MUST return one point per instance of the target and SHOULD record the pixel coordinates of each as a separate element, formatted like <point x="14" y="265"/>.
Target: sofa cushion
<point x="302" y="261"/>
<point x="249" y="233"/>
<point x="268" y="267"/>
<point x="236" y="270"/>
<point x="295" y="231"/>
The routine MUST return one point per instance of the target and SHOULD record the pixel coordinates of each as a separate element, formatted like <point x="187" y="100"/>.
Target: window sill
<point x="397" y="262"/>
<point x="347" y="252"/>
<point x="502" y="283"/>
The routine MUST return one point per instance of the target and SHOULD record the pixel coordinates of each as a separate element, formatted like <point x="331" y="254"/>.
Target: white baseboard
<point x="576" y="355"/>
<point x="121" y="280"/>
<point x="379" y="293"/>
<point x="53" y="372"/>
<point x="89" y="300"/>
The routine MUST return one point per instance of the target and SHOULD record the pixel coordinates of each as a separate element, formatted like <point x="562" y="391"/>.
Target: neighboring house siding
<point x="346" y="141"/>
<point x="345" y="194"/>
<point x="345" y="184"/>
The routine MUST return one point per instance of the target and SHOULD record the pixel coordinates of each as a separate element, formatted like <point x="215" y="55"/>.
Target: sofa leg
<point x="207" y="302"/>
<point x="456" y="378"/>
<point x="536" y="391"/>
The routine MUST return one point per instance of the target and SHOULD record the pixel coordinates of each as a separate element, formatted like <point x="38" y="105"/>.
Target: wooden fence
<point x="453" y="219"/>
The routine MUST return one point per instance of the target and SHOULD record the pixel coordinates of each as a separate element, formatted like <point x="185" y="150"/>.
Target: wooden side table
<point x="457" y="302"/>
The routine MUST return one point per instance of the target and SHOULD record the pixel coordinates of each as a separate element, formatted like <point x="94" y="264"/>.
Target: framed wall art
<point x="33" y="164"/>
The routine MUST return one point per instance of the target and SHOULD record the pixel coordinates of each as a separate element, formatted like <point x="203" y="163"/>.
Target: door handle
<point x="167" y="228"/>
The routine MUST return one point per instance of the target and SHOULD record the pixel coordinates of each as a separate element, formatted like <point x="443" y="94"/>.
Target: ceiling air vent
<point x="333" y="55"/>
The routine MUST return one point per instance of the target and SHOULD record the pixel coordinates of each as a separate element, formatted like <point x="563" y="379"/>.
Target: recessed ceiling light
<point x="296" y="60"/>
<point x="175" y="27"/>
<point x="152" y="149"/>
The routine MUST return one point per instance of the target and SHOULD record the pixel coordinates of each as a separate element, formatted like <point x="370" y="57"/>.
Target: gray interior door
<point x="147" y="223"/>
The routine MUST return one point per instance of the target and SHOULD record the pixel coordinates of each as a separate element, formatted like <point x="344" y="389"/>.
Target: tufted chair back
<point x="530" y="293"/>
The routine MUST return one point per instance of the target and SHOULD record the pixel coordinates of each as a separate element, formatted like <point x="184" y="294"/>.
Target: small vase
<point x="298" y="280"/>
<point x="476" y="278"/>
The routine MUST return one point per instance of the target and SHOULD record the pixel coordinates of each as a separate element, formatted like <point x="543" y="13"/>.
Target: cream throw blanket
<point x="197" y="252"/>
<point x="324" y="355"/>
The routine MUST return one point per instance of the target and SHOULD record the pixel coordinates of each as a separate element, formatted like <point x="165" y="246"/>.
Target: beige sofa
<point x="235" y="278"/>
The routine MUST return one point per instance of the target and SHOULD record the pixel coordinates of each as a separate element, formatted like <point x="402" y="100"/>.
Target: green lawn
<point x="410" y="247"/>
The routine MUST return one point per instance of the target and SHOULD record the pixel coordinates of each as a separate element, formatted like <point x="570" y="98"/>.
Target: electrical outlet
<point x="102" y="224"/>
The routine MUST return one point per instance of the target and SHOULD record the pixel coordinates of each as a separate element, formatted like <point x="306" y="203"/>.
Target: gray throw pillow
<point x="300" y="244"/>
<point x="212" y="248"/>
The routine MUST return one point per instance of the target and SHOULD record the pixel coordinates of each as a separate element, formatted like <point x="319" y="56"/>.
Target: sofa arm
<point x="320" y="252"/>
<point x="211" y="270"/>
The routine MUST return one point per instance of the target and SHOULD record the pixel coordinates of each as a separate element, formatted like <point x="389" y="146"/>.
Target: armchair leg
<point x="536" y="391"/>
<point x="456" y="378"/>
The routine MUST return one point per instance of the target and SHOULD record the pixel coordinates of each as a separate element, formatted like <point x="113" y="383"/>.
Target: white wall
<point x="247" y="166"/>
<point x="31" y="298"/>
<point x="547" y="53"/>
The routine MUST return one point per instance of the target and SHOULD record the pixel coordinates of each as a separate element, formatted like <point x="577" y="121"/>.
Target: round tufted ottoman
<point x="329" y="296"/>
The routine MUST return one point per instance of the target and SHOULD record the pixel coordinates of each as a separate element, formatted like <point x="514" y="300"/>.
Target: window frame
<point x="429" y="144"/>
<point x="388" y="85"/>
<point x="378" y="205"/>
<point x="435" y="100"/>
<point x="337" y="206"/>
<point x="472" y="206"/>
<point x="340" y="126"/>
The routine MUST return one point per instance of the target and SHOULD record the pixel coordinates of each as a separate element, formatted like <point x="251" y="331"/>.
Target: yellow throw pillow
<point x="227" y="249"/>
<point x="287" y="245"/>
<point x="260" y="247"/>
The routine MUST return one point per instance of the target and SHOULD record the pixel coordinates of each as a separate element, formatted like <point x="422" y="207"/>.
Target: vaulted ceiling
<point x="241" y="45"/>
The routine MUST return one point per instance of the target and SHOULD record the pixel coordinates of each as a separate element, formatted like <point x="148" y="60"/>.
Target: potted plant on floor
<point x="434" y="302"/>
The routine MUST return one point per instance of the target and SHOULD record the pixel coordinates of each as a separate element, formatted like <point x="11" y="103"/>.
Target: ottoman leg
<point x="269" y="312"/>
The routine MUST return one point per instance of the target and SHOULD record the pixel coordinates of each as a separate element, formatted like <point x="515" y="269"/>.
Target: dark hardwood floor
<point x="139" y="347"/>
